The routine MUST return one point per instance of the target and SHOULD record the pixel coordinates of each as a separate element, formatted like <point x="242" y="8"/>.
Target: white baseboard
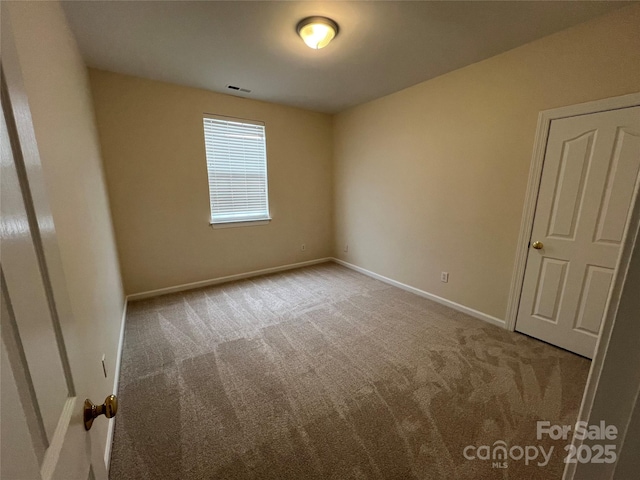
<point x="427" y="295"/>
<point x="229" y="278"/>
<point x="116" y="381"/>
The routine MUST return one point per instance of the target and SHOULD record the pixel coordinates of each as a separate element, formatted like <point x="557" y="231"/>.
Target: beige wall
<point x="154" y="157"/>
<point x="433" y="178"/>
<point x="56" y="83"/>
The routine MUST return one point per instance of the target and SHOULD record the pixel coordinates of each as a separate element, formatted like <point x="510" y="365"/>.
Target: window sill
<point x="240" y="223"/>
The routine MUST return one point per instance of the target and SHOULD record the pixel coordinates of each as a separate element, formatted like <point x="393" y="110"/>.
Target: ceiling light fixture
<point x="317" y="32"/>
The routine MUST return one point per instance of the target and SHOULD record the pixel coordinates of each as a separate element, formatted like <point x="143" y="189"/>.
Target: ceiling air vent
<point x="238" y="89"/>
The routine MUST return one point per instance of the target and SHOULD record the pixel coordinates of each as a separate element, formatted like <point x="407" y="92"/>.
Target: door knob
<point x="537" y="245"/>
<point x="109" y="409"/>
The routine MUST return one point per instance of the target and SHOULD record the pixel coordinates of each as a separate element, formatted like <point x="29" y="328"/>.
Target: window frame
<point x="239" y="222"/>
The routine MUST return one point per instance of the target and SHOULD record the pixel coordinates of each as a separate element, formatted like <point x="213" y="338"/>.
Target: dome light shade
<point x="317" y="32"/>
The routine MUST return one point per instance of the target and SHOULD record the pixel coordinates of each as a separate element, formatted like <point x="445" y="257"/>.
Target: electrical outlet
<point x="444" y="277"/>
<point x="303" y="247"/>
<point x="346" y="248"/>
<point x="104" y="366"/>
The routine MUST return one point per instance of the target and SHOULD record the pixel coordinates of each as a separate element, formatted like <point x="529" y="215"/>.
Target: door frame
<point x="545" y="118"/>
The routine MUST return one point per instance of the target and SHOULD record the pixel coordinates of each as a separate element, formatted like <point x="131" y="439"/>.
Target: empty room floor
<point x="324" y="373"/>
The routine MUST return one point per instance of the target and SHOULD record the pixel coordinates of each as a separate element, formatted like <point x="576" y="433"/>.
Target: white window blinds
<point x="237" y="168"/>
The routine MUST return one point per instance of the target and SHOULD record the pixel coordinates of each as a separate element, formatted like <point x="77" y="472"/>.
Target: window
<point x="237" y="169"/>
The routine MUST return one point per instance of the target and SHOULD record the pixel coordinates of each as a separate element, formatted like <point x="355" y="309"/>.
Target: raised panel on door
<point x="593" y="299"/>
<point x="551" y="281"/>
<point x="21" y="269"/>
<point x="621" y="181"/>
<point x="35" y="352"/>
<point x="575" y="157"/>
<point x="22" y="434"/>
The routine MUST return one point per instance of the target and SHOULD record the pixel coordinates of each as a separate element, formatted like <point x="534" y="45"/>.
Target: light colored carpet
<point x="323" y="373"/>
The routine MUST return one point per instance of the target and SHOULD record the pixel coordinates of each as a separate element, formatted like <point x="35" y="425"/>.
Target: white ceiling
<point x="382" y="46"/>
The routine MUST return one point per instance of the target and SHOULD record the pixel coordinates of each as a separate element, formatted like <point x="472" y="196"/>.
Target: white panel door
<point x="43" y="381"/>
<point x="589" y="182"/>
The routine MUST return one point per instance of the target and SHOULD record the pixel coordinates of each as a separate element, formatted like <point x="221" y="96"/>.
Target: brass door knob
<point x="537" y="245"/>
<point x="109" y="409"/>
